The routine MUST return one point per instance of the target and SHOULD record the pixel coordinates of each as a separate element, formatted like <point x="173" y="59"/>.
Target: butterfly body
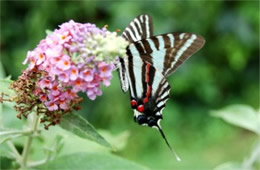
<point x="150" y="59"/>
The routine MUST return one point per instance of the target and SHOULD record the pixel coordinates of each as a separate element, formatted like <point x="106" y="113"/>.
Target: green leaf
<point x="63" y="143"/>
<point x="8" y="116"/>
<point x="229" y="166"/>
<point x="118" y="141"/>
<point x="4" y="84"/>
<point x="240" y="115"/>
<point x="2" y="72"/>
<point x="91" y="161"/>
<point x="7" y="112"/>
<point x="48" y="32"/>
<point x="253" y="160"/>
<point x="5" y="151"/>
<point x="82" y="128"/>
<point x="1" y="115"/>
<point x="59" y="143"/>
<point x="6" y="163"/>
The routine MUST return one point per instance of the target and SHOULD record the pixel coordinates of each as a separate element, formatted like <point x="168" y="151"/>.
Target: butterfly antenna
<point x="166" y="141"/>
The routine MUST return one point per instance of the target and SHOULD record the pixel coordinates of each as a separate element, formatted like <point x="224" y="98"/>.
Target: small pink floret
<point x="51" y="106"/>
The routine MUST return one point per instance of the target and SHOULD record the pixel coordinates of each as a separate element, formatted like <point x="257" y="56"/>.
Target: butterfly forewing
<point x="168" y="51"/>
<point x="140" y="28"/>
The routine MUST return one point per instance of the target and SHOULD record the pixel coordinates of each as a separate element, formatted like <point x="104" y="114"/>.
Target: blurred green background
<point x="225" y="71"/>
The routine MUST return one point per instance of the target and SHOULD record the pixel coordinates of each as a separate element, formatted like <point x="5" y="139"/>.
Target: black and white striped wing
<point x="149" y="92"/>
<point x="148" y="87"/>
<point x="151" y="59"/>
<point x="123" y="77"/>
<point x="145" y="80"/>
<point x="140" y="28"/>
<point x="168" y="51"/>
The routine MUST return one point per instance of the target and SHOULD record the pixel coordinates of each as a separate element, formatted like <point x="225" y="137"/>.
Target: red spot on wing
<point x="140" y="108"/>
<point x="147" y="73"/>
<point x="133" y="103"/>
<point x="148" y="92"/>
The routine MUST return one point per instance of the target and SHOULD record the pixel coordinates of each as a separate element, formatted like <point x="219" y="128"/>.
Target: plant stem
<point x="254" y="156"/>
<point x="14" y="151"/>
<point x="41" y="162"/>
<point x="28" y="142"/>
<point x="14" y="132"/>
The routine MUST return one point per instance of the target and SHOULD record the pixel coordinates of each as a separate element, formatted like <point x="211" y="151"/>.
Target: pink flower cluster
<point x="69" y="64"/>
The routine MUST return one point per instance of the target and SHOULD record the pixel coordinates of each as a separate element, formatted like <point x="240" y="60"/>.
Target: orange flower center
<point x="41" y="56"/>
<point x="71" y="93"/>
<point x="43" y="98"/>
<point x="66" y="63"/>
<point x="54" y="88"/>
<point x="73" y="71"/>
<point x="87" y="73"/>
<point x="46" y="81"/>
<point x="33" y="61"/>
<point x="63" y="37"/>
<point x="78" y="82"/>
<point x="104" y="69"/>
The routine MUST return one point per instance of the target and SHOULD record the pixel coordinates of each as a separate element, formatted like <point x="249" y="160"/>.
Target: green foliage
<point x="91" y="161"/>
<point x="81" y="127"/>
<point x="4" y="84"/>
<point x="240" y="115"/>
<point x="245" y="117"/>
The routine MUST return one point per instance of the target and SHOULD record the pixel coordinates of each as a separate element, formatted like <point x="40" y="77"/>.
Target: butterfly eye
<point x="133" y="103"/>
<point x="140" y="108"/>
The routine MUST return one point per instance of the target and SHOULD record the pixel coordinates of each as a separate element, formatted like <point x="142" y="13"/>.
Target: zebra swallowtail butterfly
<point x="150" y="59"/>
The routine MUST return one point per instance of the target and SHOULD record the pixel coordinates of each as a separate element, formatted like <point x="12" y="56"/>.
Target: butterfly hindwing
<point x="149" y="92"/>
<point x="124" y="82"/>
<point x="148" y="87"/>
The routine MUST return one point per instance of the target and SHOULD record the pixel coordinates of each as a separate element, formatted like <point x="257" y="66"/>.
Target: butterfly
<point x="150" y="59"/>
